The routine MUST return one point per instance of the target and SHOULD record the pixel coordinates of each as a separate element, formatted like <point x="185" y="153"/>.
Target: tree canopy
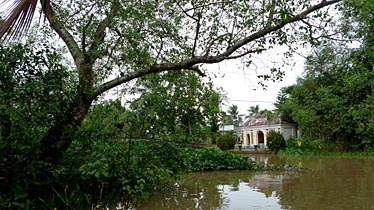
<point x="134" y="39"/>
<point x="177" y="103"/>
<point x="334" y="100"/>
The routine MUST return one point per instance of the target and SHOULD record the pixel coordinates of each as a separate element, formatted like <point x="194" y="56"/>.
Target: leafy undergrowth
<point x="195" y="160"/>
<point x="103" y="172"/>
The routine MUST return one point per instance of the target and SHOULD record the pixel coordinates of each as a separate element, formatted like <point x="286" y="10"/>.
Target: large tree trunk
<point x="59" y="137"/>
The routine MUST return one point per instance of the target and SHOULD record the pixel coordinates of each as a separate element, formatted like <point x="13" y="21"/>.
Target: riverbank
<point x="251" y="151"/>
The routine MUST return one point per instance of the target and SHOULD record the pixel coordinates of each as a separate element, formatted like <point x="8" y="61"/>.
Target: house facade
<point x="254" y="131"/>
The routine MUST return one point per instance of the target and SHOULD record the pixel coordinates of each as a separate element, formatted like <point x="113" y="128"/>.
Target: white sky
<point x="241" y="84"/>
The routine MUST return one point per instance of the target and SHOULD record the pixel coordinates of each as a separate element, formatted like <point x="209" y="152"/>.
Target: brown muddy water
<point x="334" y="183"/>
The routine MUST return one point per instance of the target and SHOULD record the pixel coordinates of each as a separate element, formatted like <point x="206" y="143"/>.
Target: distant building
<point x="226" y="128"/>
<point x="254" y="130"/>
<point x="231" y="128"/>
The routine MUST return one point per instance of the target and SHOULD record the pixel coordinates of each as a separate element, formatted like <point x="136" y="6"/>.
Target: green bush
<point x="226" y="141"/>
<point x="196" y="160"/>
<point x="276" y="141"/>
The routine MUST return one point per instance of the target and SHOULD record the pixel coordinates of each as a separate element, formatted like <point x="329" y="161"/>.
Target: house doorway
<point x="261" y="139"/>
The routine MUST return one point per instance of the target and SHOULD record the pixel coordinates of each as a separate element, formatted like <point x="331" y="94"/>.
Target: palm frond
<point x="19" y="14"/>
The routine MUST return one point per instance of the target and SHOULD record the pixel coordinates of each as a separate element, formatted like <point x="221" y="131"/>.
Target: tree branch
<point x="99" y="35"/>
<point x="271" y="14"/>
<point x="192" y="62"/>
<point x="185" y="12"/>
<point x="84" y="33"/>
<point x="268" y="30"/>
<point x="211" y="43"/>
<point x="153" y="69"/>
<point x="60" y="29"/>
<point x="196" y="34"/>
<point x="246" y="53"/>
<point x="208" y="4"/>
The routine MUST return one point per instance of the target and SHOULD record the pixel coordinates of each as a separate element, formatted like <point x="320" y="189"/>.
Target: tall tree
<point x="137" y="38"/>
<point x="233" y="115"/>
<point x="334" y="101"/>
<point x="177" y="103"/>
<point x="253" y="111"/>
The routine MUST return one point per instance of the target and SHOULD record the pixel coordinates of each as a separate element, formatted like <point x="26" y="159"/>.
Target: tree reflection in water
<point x="223" y="190"/>
<point x="335" y="183"/>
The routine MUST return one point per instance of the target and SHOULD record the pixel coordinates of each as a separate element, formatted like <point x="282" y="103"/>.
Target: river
<point x="333" y="183"/>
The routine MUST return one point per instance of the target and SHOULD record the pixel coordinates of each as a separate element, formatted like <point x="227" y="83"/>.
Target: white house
<point x="255" y="130"/>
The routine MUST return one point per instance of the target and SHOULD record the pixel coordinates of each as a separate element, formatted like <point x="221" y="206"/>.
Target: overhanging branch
<point x="192" y="62"/>
<point x="271" y="29"/>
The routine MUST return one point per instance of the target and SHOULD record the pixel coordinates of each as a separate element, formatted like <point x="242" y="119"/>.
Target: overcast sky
<point x="241" y="84"/>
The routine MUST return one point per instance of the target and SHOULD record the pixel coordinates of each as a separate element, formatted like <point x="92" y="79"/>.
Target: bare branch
<point x="78" y="11"/>
<point x="160" y="49"/>
<point x="136" y="74"/>
<point x="211" y="43"/>
<point x="84" y="33"/>
<point x="208" y="5"/>
<point x="196" y="34"/>
<point x="185" y="12"/>
<point x="232" y="32"/>
<point x="246" y="53"/>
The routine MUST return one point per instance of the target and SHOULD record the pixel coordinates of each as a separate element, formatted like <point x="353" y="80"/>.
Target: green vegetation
<point x="189" y="107"/>
<point x="333" y="104"/>
<point x="226" y="141"/>
<point x="63" y="146"/>
<point x="275" y="141"/>
<point x="232" y="116"/>
<point x="214" y="159"/>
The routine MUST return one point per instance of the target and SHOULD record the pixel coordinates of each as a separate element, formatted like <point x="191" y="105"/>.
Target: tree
<point x="282" y="110"/>
<point x="333" y="102"/>
<point x="276" y="141"/>
<point x="233" y="117"/>
<point x="268" y="113"/>
<point x="253" y="111"/>
<point x="34" y="88"/>
<point x="177" y="104"/>
<point x="335" y="98"/>
<point x="141" y="38"/>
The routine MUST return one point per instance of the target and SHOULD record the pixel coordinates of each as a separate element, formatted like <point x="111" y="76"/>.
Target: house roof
<point x="260" y="119"/>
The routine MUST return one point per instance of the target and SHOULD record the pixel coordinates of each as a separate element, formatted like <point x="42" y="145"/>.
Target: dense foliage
<point x="214" y="159"/>
<point x="114" y="42"/>
<point x="333" y="103"/>
<point x="34" y="88"/>
<point x="226" y="141"/>
<point x="103" y="165"/>
<point x="178" y="105"/>
<point x="275" y="141"/>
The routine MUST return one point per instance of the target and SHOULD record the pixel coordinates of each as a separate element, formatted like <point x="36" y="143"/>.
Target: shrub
<point x="196" y="160"/>
<point x="276" y="141"/>
<point x="226" y="141"/>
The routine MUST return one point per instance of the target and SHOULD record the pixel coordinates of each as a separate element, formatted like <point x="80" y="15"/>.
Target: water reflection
<point x="261" y="158"/>
<point x="335" y="183"/>
<point x="224" y="190"/>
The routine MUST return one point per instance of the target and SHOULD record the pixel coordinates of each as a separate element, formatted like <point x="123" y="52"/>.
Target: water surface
<point x="334" y="183"/>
